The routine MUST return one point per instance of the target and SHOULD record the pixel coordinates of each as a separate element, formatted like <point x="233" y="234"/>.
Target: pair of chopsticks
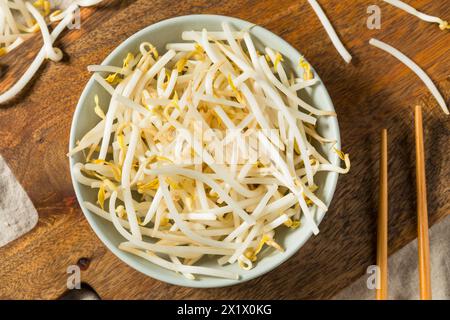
<point x="422" y="216"/>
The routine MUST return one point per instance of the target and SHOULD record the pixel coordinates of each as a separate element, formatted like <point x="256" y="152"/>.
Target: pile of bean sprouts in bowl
<point x="223" y="206"/>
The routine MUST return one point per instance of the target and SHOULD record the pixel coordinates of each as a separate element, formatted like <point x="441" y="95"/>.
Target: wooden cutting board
<point x="373" y="92"/>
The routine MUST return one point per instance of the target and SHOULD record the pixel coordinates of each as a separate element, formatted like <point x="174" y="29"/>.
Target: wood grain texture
<point x="373" y="92"/>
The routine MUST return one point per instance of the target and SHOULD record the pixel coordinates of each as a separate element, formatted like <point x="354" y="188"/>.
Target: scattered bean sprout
<point x="443" y="25"/>
<point x="175" y="195"/>
<point x="415" y="68"/>
<point x="19" y="19"/>
<point x="331" y="32"/>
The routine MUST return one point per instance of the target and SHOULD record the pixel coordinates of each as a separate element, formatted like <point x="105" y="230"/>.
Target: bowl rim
<point x="211" y="282"/>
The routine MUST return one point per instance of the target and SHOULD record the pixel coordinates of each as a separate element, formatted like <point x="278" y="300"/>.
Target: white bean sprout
<point x="415" y="68"/>
<point x="443" y="25"/>
<point x="330" y="30"/>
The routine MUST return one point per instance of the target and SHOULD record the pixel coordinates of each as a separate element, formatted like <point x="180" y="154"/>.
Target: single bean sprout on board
<point x="205" y="150"/>
<point x="330" y="31"/>
<point x="415" y="68"/>
<point x="443" y="25"/>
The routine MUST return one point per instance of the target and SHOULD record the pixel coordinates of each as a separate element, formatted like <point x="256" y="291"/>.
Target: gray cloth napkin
<point x="403" y="270"/>
<point x="17" y="213"/>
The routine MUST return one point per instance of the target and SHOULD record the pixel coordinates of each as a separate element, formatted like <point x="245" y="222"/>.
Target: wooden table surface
<point x="373" y="92"/>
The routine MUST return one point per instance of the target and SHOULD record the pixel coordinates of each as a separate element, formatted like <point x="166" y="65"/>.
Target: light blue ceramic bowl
<point x="170" y="31"/>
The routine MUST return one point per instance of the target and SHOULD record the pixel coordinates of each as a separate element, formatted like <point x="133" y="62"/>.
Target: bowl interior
<point x="170" y="31"/>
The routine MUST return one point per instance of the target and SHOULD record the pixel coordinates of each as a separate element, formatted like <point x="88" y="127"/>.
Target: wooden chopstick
<point x="382" y="228"/>
<point x="422" y="213"/>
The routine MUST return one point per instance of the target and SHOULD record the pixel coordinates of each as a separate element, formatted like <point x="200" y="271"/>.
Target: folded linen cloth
<point x="403" y="272"/>
<point x="17" y="213"/>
